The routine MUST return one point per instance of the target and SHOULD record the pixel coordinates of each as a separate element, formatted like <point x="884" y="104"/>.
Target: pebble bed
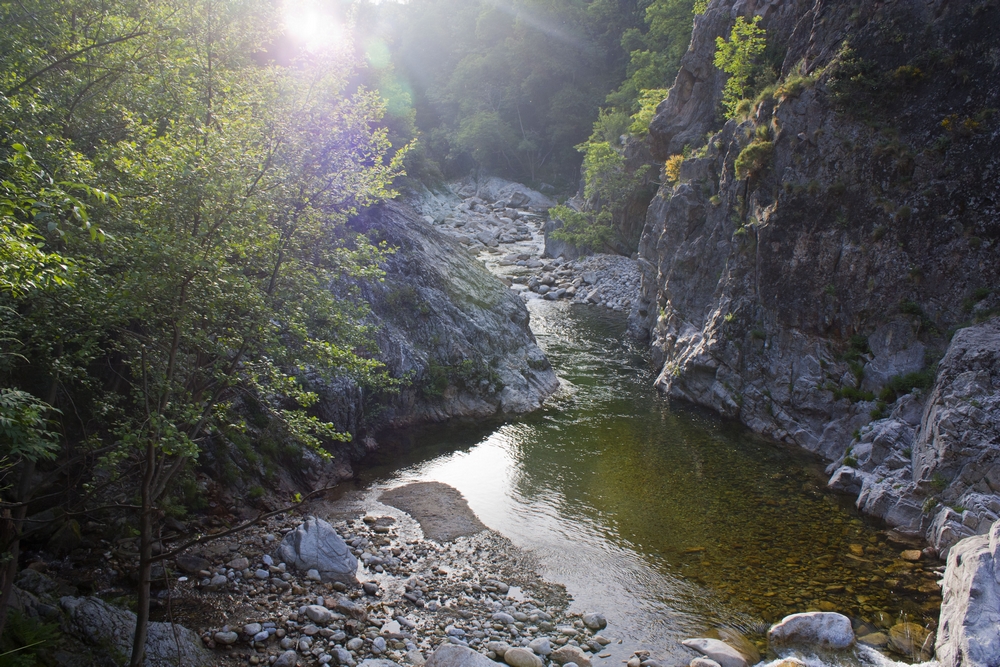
<point x="415" y="594"/>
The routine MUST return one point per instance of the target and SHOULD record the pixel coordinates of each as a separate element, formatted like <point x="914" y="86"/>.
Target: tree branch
<point x="70" y="56"/>
<point x="236" y="529"/>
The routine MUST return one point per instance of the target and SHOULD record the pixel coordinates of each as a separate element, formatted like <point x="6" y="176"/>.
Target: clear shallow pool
<point x="664" y="517"/>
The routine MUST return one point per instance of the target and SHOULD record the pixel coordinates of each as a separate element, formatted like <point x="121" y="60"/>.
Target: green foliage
<point x="654" y="53"/>
<point x="754" y="158"/>
<point x="221" y="272"/>
<point x="24" y="638"/>
<point x="908" y="307"/>
<point x="610" y="125"/>
<point x="25" y="432"/>
<point x="904" y="384"/>
<point x="508" y="87"/>
<point x="700" y="7"/>
<point x="938" y="482"/>
<point x="609" y="186"/>
<point x="739" y="57"/>
<point x="648" y="101"/>
<point x="853" y="394"/>
<point x="855" y="84"/>
<point x="857" y="346"/>
<point x="472" y="374"/>
<point x="794" y="84"/>
<point x="589" y="230"/>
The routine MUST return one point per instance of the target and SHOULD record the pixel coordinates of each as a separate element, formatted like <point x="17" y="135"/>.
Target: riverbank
<point x="470" y="587"/>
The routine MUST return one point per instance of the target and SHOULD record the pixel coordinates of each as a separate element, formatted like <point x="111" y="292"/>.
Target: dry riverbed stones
<point x="477" y="593"/>
<point x="507" y="235"/>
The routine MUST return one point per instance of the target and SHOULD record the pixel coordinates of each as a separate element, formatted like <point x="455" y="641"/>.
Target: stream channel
<point x="666" y="518"/>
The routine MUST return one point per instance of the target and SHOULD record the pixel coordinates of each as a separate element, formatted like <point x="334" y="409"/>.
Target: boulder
<point x="969" y="628"/>
<point x="317" y="614"/>
<point x="453" y="655"/>
<point x="595" y="621"/>
<point x="815" y="629"/>
<point x="717" y="650"/>
<point x="570" y="654"/>
<point x="521" y="657"/>
<point x="98" y="623"/>
<point x="541" y="646"/>
<point x="377" y="662"/>
<point x="315" y="545"/>
<point x="908" y="638"/>
<point x="193" y="563"/>
<point x="286" y="659"/>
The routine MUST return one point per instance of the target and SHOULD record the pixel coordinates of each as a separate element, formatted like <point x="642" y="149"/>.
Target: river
<point x="666" y="518"/>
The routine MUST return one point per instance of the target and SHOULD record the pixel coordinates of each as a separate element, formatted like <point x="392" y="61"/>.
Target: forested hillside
<point x="512" y="87"/>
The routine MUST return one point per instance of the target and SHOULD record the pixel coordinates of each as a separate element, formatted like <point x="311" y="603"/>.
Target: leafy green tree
<point x="655" y="52"/>
<point x="221" y="272"/>
<point x="739" y="58"/>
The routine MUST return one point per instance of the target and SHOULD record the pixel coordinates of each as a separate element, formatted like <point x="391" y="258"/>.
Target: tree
<point x="738" y="58"/>
<point x="222" y="271"/>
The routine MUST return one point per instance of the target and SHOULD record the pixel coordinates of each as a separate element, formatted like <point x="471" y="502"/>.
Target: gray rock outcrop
<point x="100" y="624"/>
<point x="444" y="322"/>
<point x="969" y="628"/>
<point x="315" y="545"/>
<point x="809" y="295"/>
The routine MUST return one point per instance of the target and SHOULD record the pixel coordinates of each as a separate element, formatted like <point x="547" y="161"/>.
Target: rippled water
<point x="666" y="518"/>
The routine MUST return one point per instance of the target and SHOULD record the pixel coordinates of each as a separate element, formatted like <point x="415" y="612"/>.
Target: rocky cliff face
<point x="807" y="271"/>
<point x="442" y="321"/>
<point x="969" y="632"/>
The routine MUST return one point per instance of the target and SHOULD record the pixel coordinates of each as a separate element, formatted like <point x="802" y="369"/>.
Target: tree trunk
<point x="145" y="558"/>
<point x="12" y="527"/>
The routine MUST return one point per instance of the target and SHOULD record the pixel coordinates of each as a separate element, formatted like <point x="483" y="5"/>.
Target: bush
<point x="753" y="159"/>
<point x="794" y="84"/>
<point x="649" y="99"/>
<point x="904" y="384"/>
<point x="739" y="58"/>
<point x="23" y="638"/>
<point x="854" y="83"/>
<point x="672" y="168"/>
<point x="586" y="230"/>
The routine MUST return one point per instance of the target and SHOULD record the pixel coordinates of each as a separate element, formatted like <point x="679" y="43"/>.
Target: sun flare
<point x="313" y="25"/>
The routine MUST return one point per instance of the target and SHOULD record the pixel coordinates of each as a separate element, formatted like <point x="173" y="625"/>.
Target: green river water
<point x="666" y="518"/>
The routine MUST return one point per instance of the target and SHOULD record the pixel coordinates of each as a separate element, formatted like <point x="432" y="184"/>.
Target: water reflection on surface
<point x="664" y="517"/>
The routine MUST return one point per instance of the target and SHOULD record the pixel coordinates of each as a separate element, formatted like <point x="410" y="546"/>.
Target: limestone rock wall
<point x="813" y="295"/>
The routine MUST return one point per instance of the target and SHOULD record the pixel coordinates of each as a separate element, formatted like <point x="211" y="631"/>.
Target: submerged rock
<point x="814" y="629"/>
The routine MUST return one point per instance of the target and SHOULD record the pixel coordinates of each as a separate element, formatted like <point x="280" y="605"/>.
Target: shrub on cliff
<point x="739" y="58"/>
<point x="753" y="159"/>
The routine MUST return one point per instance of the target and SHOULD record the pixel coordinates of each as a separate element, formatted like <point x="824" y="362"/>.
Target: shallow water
<point x="664" y="517"/>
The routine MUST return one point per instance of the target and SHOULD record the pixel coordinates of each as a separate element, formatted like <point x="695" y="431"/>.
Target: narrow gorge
<point x="500" y="333"/>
